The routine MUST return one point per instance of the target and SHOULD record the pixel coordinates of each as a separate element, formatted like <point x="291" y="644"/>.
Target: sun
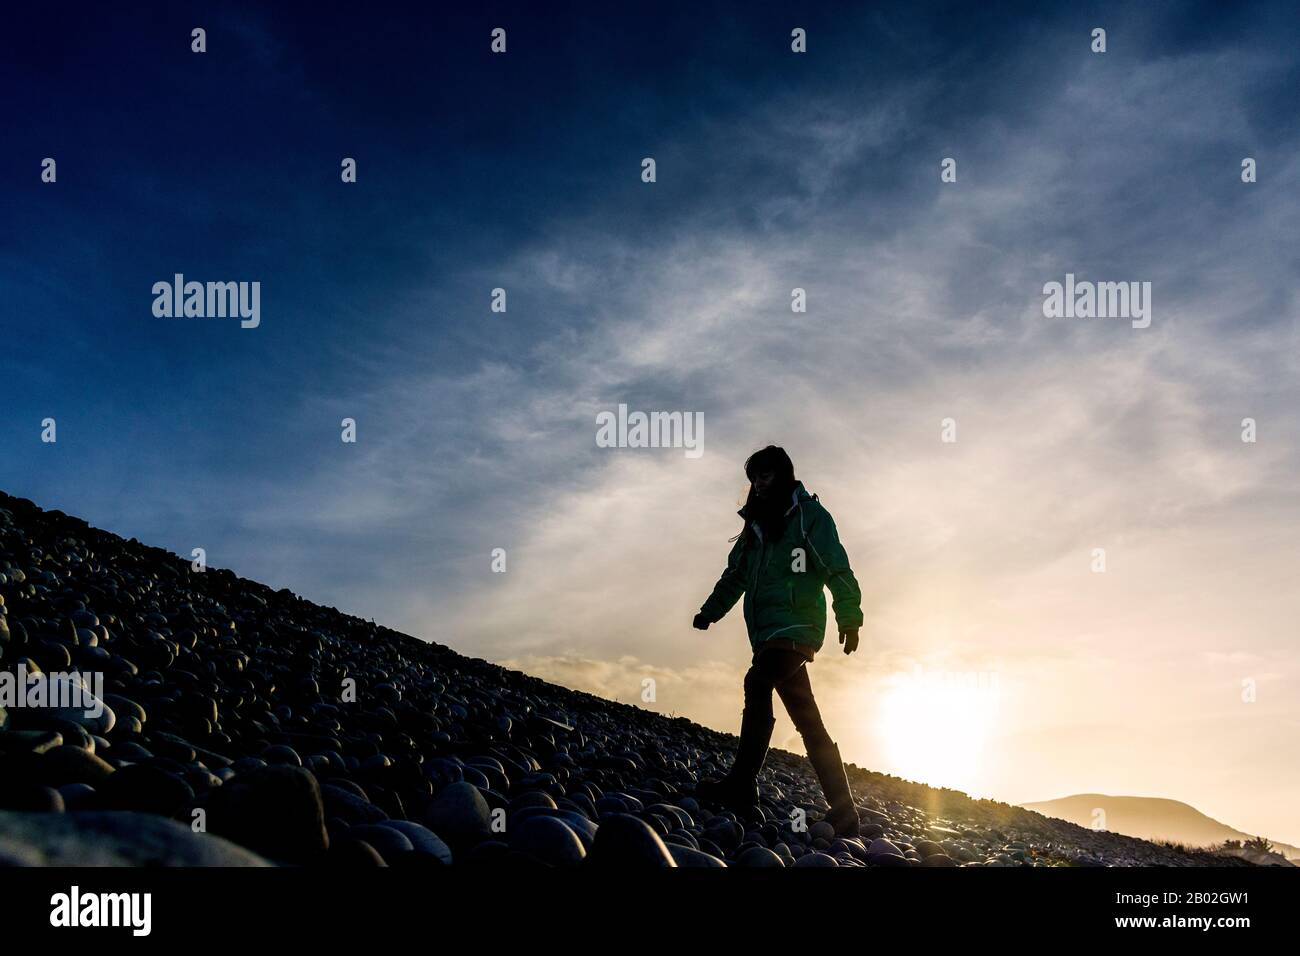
<point x="934" y="725"/>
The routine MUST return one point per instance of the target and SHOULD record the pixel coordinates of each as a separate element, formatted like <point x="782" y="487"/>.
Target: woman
<point x="786" y="554"/>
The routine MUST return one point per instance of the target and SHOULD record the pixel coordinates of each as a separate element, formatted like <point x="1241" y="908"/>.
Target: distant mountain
<point x="1150" y="818"/>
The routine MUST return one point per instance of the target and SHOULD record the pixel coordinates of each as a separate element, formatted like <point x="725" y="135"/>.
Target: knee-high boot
<point x="738" y="790"/>
<point x="843" y="814"/>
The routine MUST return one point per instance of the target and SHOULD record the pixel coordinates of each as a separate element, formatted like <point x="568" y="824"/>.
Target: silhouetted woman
<point x="786" y="554"/>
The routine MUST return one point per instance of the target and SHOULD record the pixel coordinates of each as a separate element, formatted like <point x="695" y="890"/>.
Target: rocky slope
<point x="243" y="725"/>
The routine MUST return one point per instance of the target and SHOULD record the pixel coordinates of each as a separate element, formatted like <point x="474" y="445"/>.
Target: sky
<point x="994" y="658"/>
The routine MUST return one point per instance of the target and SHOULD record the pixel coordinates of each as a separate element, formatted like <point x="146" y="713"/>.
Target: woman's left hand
<point x="849" y="638"/>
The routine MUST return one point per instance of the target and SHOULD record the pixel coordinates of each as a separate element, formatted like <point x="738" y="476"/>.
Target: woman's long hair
<point x="769" y="515"/>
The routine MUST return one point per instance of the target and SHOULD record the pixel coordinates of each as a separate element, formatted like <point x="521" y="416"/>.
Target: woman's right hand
<point x="701" y="622"/>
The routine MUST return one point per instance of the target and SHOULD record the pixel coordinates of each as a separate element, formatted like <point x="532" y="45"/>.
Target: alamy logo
<point x="75" y="908"/>
<point x="652" y="430"/>
<point x="1099" y="300"/>
<point x="209" y="300"/>
<point x="71" y="690"/>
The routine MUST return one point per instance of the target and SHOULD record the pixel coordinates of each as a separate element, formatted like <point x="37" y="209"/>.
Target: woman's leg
<point x="738" y="789"/>
<point x="796" y="693"/>
<point x="770" y="669"/>
<point x="823" y="754"/>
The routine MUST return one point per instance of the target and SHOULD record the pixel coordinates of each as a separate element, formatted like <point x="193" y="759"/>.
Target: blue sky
<point x="775" y="171"/>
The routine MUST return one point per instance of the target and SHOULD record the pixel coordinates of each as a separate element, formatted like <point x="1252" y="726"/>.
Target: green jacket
<point x="784" y="581"/>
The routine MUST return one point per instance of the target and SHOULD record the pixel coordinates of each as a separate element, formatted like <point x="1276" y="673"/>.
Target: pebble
<point x="549" y="839"/>
<point x="79" y="796"/>
<point x="816" y="859"/>
<point x="145" y="788"/>
<point x="423" y="840"/>
<point x="30" y="798"/>
<point x="759" y="856"/>
<point x="68" y="764"/>
<point x="685" y="856"/>
<point x="349" y="852"/>
<point x="388" y="842"/>
<point x="276" y="811"/>
<point x="460" y="816"/>
<point x="626" y="841"/>
<point x="30" y="741"/>
<point x="346" y="805"/>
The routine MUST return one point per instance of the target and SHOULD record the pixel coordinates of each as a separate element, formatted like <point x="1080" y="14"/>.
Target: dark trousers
<point x="786" y="672"/>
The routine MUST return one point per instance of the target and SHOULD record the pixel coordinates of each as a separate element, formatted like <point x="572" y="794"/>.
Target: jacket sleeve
<point x="846" y="595"/>
<point x="730" y="586"/>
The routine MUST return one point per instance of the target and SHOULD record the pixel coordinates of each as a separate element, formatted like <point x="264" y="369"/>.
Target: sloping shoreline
<point x="306" y="736"/>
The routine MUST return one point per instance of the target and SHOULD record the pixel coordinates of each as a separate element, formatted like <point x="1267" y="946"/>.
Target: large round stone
<point x="114" y="839"/>
<point x="276" y="811"/>
<point x="549" y="839"/>
<point x="759" y="856"/>
<point x="146" y="789"/>
<point x="686" y="856"/>
<point x="423" y="840"/>
<point x="626" y="841"/>
<point x="460" y="816"/>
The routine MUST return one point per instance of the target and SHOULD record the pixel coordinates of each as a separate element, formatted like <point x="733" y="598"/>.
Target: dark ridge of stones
<point x="283" y="731"/>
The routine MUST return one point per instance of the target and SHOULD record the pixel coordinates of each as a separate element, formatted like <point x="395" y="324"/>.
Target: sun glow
<point x="934" y="725"/>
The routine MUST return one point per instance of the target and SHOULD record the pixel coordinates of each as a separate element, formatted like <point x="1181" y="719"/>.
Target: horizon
<point x="996" y="658"/>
